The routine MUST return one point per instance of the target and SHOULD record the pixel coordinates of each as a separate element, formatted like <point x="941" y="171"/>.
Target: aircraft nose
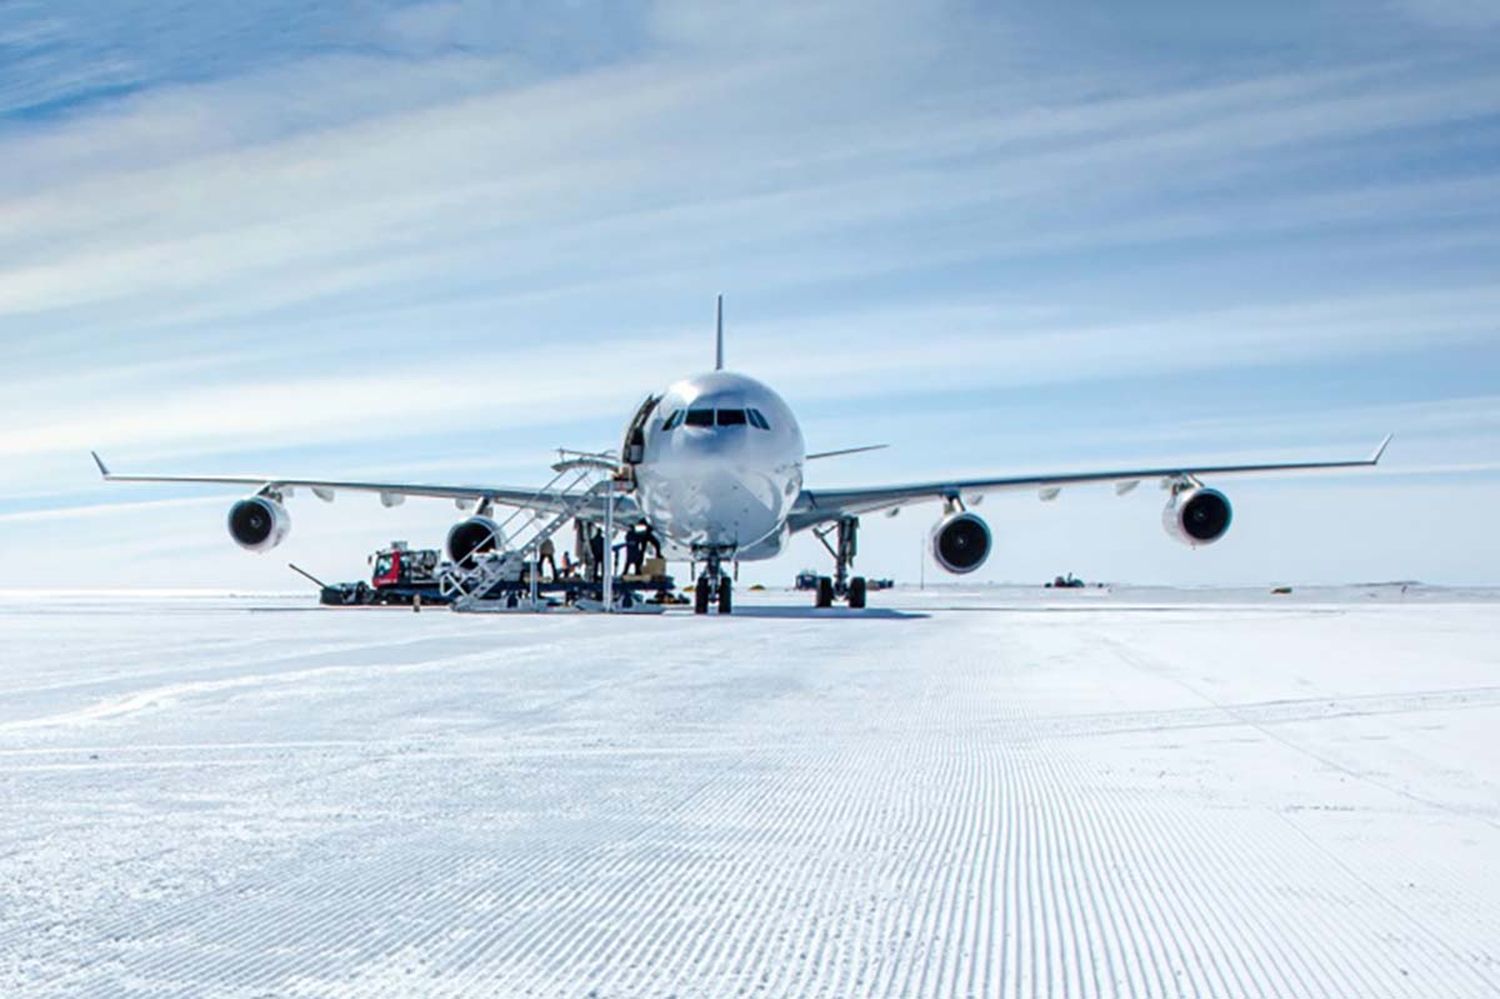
<point x="708" y="441"/>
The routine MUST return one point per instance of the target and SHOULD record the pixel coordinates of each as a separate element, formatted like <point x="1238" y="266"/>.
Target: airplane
<point x="714" y="464"/>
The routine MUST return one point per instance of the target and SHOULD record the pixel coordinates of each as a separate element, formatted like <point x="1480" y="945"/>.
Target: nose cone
<point x="715" y="489"/>
<point x="722" y="462"/>
<point x="709" y="498"/>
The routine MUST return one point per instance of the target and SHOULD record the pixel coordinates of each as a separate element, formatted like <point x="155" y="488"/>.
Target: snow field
<point x="959" y="794"/>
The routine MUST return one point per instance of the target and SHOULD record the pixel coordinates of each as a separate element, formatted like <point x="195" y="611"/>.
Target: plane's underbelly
<point x="723" y="506"/>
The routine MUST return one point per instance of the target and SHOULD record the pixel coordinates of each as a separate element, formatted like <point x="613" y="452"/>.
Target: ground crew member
<point x="647" y="537"/>
<point x="596" y="549"/>
<point x="633" y="552"/>
<point x="546" y="553"/>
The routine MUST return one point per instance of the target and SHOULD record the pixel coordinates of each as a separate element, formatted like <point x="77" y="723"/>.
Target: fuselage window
<point x="673" y="420"/>
<point x="731" y="417"/>
<point x="700" y="418"/>
<point x="757" y="420"/>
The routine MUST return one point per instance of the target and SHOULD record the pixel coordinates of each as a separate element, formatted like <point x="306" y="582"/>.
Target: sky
<point x="436" y="241"/>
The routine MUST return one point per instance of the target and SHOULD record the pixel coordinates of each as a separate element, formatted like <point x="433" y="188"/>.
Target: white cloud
<point x="1452" y="14"/>
<point x="874" y="353"/>
<point x="465" y="239"/>
<point x="640" y="156"/>
<point x="117" y="512"/>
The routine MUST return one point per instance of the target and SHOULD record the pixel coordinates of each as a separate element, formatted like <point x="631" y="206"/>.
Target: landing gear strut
<point x="713" y="586"/>
<point x="845" y="547"/>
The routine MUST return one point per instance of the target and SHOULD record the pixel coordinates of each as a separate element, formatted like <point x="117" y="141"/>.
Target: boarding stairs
<point x="473" y="587"/>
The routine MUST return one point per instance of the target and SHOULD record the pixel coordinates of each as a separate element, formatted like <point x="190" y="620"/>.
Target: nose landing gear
<point x="841" y="586"/>
<point x="714" y="586"/>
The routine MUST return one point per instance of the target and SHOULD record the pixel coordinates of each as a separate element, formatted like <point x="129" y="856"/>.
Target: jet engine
<point x="1197" y="516"/>
<point x="259" y="523"/>
<point x="961" y="542"/>
<point x="469" y="537"/>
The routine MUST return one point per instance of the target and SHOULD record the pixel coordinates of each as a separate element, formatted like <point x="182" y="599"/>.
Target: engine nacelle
<point x="961" y="542"/>
<point x="1198" y="516"/>
<point x="259" y="523"/>
<point x="471" y="537"/>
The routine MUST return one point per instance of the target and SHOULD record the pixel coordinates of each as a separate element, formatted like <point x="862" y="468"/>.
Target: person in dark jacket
<point x="647" y="537"/>
<point x="596" y="549"/>
<point x="547" y="555"/>
<point x="633" y="552"/>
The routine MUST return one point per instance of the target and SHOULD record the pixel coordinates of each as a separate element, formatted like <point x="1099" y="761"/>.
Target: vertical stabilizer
<point x="719" y="336"/>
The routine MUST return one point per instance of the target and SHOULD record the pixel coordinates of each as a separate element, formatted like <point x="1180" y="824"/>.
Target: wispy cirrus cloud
<point x="461" y="215"/>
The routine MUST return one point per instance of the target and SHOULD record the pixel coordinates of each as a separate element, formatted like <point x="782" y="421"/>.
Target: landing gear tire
<point x="825" y="592"/>
<point x="857" y="592"/>
<point x="714" y="586"/>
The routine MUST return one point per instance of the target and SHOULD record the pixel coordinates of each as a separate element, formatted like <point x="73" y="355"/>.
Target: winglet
<point x="1375" y="458"/>
<point x="719" y="336"/>
<point x="103" y="469"/>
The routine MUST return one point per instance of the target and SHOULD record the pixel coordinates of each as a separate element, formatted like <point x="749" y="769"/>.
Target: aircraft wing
<point x="820" y="506"/>
<point x="390" y="493"/>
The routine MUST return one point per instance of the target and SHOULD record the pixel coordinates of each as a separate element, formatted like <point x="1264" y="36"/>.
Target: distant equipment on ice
<point x="399" y="575"/>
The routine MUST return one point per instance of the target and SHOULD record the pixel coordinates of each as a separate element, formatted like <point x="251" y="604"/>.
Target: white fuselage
<point x="721" y="467"/>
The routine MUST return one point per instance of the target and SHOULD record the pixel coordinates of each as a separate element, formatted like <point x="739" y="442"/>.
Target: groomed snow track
<point x="985" y="796"/>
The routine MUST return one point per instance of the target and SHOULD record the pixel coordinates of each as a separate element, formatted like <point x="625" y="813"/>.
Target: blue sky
<point x="436" y="240"/>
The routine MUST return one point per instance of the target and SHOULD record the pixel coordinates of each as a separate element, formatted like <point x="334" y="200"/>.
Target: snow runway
<point x="995" y="793"/>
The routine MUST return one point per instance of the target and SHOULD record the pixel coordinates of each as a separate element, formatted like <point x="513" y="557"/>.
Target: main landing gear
<point x="846" y="545"/>
<point x="713" y="587"/>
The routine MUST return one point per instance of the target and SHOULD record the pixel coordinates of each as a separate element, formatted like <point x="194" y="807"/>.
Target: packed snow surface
<point x="985" y="792"/>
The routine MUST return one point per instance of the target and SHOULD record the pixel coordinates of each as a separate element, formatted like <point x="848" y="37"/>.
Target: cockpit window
<point x="715" y="417"/>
